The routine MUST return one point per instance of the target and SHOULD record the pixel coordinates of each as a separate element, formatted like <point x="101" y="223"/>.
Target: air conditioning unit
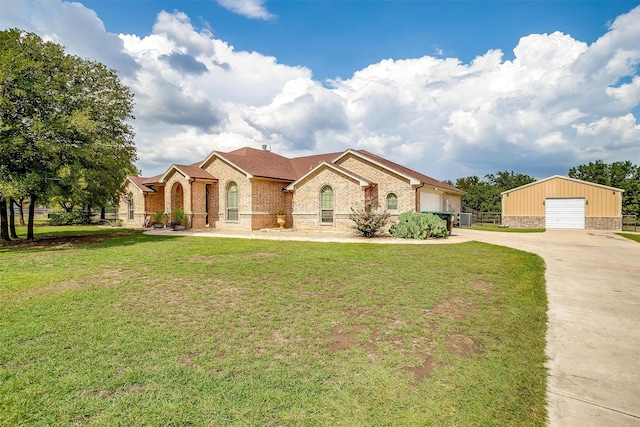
<point x="464" y="220"/>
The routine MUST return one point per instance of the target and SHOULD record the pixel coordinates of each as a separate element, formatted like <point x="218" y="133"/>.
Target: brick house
<point x="245" y="188"/>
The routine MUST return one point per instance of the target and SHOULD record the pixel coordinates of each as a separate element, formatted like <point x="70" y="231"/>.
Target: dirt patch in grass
<point x="452" y="306"/>
<point x="343" y="340"/>
<point x="423" y="370"/>
<point x="201" y="258"/>
<point x="482" y="285"/>
<point x="462" y="345"/>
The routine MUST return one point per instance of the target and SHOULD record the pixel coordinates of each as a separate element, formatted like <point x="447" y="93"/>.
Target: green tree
<point x="64" y="127"/>
<point x="484" y="195"/>
<point x="477" y="194"/>
<point x="624" y="175"/>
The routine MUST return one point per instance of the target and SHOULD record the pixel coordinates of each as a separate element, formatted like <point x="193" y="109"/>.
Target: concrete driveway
<point x="593" y="336"/>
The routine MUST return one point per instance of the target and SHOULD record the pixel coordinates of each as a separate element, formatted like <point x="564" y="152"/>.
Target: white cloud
<point x="558" y="103"/>
<point x="300" y="113"/>
<point x="250" y="8"/>
<point x="72" y="25"/>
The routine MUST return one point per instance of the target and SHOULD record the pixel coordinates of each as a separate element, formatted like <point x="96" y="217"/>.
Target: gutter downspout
<point x="418" y="198"/>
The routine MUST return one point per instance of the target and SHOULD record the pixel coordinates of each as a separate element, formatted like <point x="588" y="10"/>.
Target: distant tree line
<point x="483" y="195"/>
<point x="65" y="132"/>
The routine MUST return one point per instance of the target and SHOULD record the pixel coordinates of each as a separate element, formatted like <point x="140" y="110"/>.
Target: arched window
<point x="392" y="202"/>
<point x="326" y="205"/>
<point x="130" y="206"/>
<point x="232" y="202"/>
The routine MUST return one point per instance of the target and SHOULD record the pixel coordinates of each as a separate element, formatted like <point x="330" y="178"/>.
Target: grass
<point x="46" y="231"/>
<point x="497" y="227"/>
<point x="630" y="236"/>
<point x="149" y="330"/>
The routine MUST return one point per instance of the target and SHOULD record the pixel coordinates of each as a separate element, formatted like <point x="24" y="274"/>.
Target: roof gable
<point x="139" y="183"/>
<point x="193" y="171"/>
<point x="256" y="163"/>
<point x="414" y="178"/>
<point x="363" y="182"/>
<point x="302" y="165"/>
<point x="566" y="178"/>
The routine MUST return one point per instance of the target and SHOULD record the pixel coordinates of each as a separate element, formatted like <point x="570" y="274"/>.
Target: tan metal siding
<point x="528" y="201"/>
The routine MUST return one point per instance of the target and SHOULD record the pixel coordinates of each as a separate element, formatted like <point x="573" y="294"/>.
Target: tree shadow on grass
<point x="85" y="241"/>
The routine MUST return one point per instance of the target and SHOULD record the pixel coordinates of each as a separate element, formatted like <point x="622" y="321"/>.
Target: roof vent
<point x="264" y="147"/>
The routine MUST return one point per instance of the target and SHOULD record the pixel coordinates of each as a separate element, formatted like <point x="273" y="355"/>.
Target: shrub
<point x="178" y="216"/>
<point x="158" y="217"/>
<point x="116" y="222"/>
<point x="369" y="221"/>
<point x="413" y="225"/>
<point x="70" y="218"/>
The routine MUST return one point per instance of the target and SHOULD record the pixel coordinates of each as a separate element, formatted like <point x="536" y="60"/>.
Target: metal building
<point x="563" y="202"/>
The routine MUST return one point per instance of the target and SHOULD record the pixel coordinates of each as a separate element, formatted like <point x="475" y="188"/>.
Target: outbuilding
<point x="563" y="202"/>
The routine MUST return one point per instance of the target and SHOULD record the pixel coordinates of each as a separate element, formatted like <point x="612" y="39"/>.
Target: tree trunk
<point x="4" y="224"/>
<point x="32" y="214"/>
<point x="21" y="210"/>
<point x="103" y="212"/>
<point x="12" y="219"/>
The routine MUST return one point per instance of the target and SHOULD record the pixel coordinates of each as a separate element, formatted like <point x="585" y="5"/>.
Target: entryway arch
<point x="177" y="197"/>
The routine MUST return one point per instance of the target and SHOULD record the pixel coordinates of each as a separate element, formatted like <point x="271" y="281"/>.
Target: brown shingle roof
<point x="261" y="163"/>
<point x="140" y="182"/>
<point x="265" y="164"/>
<point x="195" y="171"/>
<point x="409" y="172"/>
<point x="152" y="180"/>
<point x="302" y="165"/>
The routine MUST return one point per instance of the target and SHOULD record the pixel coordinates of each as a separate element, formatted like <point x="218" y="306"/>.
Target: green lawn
<point x="630" y="236"/>
<point x="150" y="330"/>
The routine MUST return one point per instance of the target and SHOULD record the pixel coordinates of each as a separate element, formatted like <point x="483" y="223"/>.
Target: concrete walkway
<point x="593" y="336"/>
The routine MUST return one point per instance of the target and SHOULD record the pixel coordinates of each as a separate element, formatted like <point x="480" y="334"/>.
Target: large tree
<point x="624" y="175"/>
<point x="64" y="128"/>
<point x="484" y="195"/>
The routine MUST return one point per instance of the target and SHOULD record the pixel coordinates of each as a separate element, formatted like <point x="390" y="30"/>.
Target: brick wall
<point x="198" y="211"/>
<point x="386" y="181"/>
<point x="177" y="196"/>
<point x="604" y="223"/>
<point x="155" y="201"/>
<point x="267" y="199"/>
<point x="524" y="221"/>
<point x="347" y="193"/>
<point x="138" y="207"/>
<point x="591" y="223"/>
<point x="218" y="203"/>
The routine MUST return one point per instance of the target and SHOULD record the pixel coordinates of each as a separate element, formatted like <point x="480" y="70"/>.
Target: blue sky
<point x="337" y="38"/>
<point x="449" y="88"/>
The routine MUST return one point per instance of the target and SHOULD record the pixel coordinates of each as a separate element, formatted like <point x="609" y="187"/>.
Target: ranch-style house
<point x="246" y="188"/>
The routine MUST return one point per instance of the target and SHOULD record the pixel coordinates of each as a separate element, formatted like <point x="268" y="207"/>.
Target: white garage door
<point x="564" y="213"/>
<point x="429" y="202"/>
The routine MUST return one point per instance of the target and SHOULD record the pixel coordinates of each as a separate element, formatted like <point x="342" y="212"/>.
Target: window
<point x="232" y="202"/>
<point x="392" y="202"/>
<point x="130" y="206"/>
<point x="326" y="205"/>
